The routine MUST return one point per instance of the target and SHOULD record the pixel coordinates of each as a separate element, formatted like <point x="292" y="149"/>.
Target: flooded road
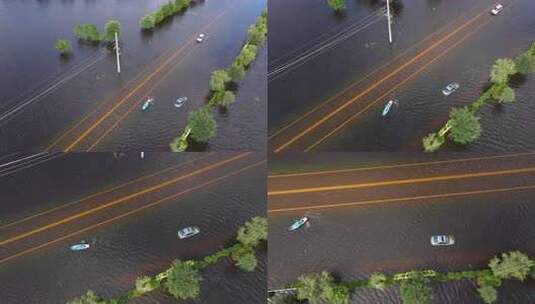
<point x="361" y="72"/>
<point x="82" y="104"/>
<point x="129" y="238"/>
<point x="384" y="216"/>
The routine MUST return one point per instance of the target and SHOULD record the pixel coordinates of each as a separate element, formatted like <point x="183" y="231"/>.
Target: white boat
<point x="298" y="223"/>
<point x="188" y="232"/>
<point x="180" y="101"/>
<point x="450" y="88"/>
<point x="79" y="247"/>
<point x="147" y="104"/>
<point x="388" y="106"/>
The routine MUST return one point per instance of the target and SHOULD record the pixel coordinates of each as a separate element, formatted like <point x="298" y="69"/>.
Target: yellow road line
<point x="403" y="181"/>
<point x="213" y="181"/>
<point x="101" y="192"/>
<point x="401" y="199"/>
<point x="415" y="164"/>
<point x="376" y="84"/>
<point x="119" y="200"/>
<point x="147" y="79"/>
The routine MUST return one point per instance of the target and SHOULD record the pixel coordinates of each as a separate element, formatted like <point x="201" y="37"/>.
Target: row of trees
<point x="463" y="126"/>
<point x="89" y="33"/>
<point x="414" y="286"/>
<point x="201" y="124"/>
<point x="183" y="279"/>
<point x="163" y="12"/>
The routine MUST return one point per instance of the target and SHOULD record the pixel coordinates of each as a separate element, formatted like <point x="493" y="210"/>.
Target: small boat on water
<point x="147" y="104"/>
<point x="180" y="101"/>
<point x="388" y="106"/>
<point x="79" y="247"/>
<point x="298" y="223"/>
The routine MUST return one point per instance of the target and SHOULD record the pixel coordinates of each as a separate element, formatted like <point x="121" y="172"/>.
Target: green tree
<point x="501" y="70"/>
<point x="182" y="4"/>
<point x="512" y="265"/>
<point x="415" y="291"/>
<point x="432" y="142"/>
<point x="465" y="126"/>
<point x="228" y="98"/>
<point x="89" y="298"/>
<point x="337" y="5"/>
<point x="183" y="280"/>
<point x="111" y="27"/>
<point x="488" y="294"/>
<point x="147" y="22"/>
<point x="253" y="232"/>
<point x="203" y="125"/>
<point x="219" y="80"/>
<point x="255" y="35"/>
<point x="378" y="281"/>
<point x="247" y="262"/>
<point x="525" y="63"/>
<point x="236" y="72"/>
<point x="63" y="46"/>
<point x="88" y="32"/>
<point x="320" y="287"/>
<point x="502" y="93"/>
<point x="158" y="15"/>
<point x="146" y="284"/>
<point x="247" y="55"/>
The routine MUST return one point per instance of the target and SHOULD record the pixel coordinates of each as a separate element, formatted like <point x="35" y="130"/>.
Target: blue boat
<point x="147" y="104"/>
<point x="298" y="223"/>
<point x="388" y="106"/>
<point x="79" y="247"/>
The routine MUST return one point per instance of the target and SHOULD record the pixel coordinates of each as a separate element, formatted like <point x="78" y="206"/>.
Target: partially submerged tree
<point x="203" y="125"/>
<point x="112" y="27"/>
<point x="63" y="46"/>
<point x="147" y="22"/>
<point x="465" y="126"/>
<point x="183" y="280"/>
<point x="318" y="288"/>
<point x="432" y="142"/>
<point x="415" y="291"/>
<point x="488" y="294"/>
<point x="89" y="298"/>
<point x="246" y="261"/>
<point x="512" y="265"/>
<point x="502" y="93"/>
<point x="337" y="5"/>
<point x="87" y="32"/>
<point x="378" y="281"/>
<point x="501" y="70"/>
<point x="525" y="63"/>
<point x="253" y="232"/>
<point x="219" y="79"/>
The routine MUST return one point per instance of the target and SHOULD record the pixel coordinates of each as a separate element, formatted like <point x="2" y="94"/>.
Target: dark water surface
<point x="354" y="242"/>
<point x="422" y="108"/>
<point x="88" y="77"/>
<point x="143" y="243"/>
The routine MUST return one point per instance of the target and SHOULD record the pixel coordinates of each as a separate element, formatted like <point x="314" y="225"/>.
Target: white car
<point x="200" y="38"/>
<point x="497" y="9"/>
<point x="442" y="240"/>
<point x="450" y="88"/>
<point x="188" y="232"/>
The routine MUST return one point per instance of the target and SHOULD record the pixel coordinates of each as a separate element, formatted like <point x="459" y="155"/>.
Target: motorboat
<point x="298" y="223"/>
<point x="180" y="101"/>
<point x="147" y="104"/>
<point x="450" y="88"/>
<point x="80" y="246"/>
<point x="388" y="106"/>
<point x="442" y="240"/>
<point x="188" y="232"/>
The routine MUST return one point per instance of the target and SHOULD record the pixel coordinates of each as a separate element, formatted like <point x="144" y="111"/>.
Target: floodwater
<point x="44" y="95"/>
<point x="354" y="242"/>
<point x="422" y="108"/>
<point x="141" y="243"/>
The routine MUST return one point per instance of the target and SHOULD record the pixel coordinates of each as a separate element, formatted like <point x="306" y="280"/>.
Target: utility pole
<point x="117" y="53"/>
<point x="389" y="21"/>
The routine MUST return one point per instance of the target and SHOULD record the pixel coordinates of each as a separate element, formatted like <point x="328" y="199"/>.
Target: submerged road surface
<point x="131" y="224"/>
<point x="365" y="219"/>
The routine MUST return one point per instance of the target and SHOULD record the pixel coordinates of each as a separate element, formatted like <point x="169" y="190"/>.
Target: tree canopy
<point x="254" y="231"/>
<point x="183" y="280"/>
<point x="203" y="125"/>
<point x="415" y="291"/>
<point x="465" y="126"/>
<point x="512" y="265"/>
<point x="110" y="29"/>
<point x="63" y="46"/>
<point x="501" y="70"/>
<point x="320" y="288"/>
<point x="337" y="5"/>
